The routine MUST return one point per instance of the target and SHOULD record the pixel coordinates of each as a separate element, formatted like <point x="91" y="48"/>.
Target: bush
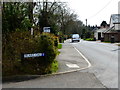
<point x="61" y="39"/>
<point x="53" y="37"/>
<point x="59" y="46"/>
<point x="18" y="43"/>
<point x="89" y="39"/>
<point x="56" y="41"/>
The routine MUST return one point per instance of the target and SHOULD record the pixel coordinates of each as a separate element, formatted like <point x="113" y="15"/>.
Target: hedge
<point x="18" y="43"/>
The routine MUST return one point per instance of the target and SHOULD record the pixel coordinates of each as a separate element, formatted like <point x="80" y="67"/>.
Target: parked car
<point x="75" y="37"/>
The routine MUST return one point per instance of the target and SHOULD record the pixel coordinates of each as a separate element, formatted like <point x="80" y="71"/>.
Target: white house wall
<point x="96" y="35"/>
<point x="111" y="23"/>
<point x="99" y="31"/>
<point x="117" y="26"/>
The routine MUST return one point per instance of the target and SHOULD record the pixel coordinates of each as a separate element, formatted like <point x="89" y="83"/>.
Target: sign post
<point x="46" y="29"/>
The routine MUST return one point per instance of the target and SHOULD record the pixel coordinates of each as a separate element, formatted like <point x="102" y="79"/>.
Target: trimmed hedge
<point x="18" y="43"/>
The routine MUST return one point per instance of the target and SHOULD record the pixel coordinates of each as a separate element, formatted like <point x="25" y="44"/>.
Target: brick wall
<point x="107" y="36"/>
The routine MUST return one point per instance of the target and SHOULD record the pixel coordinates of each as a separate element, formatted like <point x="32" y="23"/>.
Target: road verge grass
<point x="59" y="46"/>
<point x="107" y="42"/>
<point x="89" y="39"/>
<point x="54" y="67"/>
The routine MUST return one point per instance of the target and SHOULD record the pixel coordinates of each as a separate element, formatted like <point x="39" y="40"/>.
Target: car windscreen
<point x="75" y="36"/>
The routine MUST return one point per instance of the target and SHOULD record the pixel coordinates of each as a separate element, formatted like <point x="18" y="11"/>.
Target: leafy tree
<point x="55" y="15"/>
<point x="15" y="16"/>
<point x="104" y="24"/>
<point x="47" y="16"/>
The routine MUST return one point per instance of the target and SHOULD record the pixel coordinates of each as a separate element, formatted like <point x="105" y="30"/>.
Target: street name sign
<point x="34" y="55"/>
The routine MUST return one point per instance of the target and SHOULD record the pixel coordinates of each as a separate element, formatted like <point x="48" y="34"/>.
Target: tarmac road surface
<point x="104" y="60"/>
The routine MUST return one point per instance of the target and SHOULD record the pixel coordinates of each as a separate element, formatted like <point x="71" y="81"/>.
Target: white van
<point x="75" y="37"/>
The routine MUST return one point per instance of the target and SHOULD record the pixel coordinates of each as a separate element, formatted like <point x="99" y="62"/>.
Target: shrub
<point x="61" y="39"/>
<point x="18" y="43"/>
<point x="56" y="41"/>
<point x="53" y="37"/>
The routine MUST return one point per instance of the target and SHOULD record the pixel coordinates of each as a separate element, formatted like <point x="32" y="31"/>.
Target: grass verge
<point x="107" y="42"/>
<point x="89" y="39"/>
<point x="59" y="46"/>
<point x="54" y="66"/>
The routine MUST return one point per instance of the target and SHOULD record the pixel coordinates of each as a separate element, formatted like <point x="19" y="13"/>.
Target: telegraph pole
<point x="86" y="22"/>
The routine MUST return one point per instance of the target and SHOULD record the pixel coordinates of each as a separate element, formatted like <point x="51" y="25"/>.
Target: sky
<point x="95" y="11"/>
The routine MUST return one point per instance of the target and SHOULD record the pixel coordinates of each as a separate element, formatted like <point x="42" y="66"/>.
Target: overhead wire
<point x="100" y="10"/>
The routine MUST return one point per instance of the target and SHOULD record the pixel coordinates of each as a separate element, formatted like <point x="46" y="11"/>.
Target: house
<point x="115" y="21"/>
<point x="98" y="33"/>
<point x="114" y="30"/>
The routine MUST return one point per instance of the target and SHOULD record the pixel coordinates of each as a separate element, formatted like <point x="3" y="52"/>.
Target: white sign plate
<point x="46" y="29"/>
<point x="34" y="55"/>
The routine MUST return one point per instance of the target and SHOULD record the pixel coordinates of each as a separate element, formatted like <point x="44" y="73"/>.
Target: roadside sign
<point x="46" y="29"/>
<point x="33" y="55"/>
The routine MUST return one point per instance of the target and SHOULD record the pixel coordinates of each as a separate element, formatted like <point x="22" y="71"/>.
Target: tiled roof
<point x="110" y="30"/>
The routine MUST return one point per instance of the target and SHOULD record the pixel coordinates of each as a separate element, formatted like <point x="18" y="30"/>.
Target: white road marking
<point x="89" y="64"/>
<point x="72" y="65"/>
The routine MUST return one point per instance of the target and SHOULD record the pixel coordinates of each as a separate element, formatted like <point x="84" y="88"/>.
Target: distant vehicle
<point x="75" y="37"/>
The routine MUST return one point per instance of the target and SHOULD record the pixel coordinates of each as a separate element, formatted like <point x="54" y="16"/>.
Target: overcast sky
<point x="94" y="10"/>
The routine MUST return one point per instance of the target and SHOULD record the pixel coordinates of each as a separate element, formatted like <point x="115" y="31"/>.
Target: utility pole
<point x="86" y="22"/>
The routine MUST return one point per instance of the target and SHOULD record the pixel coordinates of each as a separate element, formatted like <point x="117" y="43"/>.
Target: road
<point x="104" y="60"/>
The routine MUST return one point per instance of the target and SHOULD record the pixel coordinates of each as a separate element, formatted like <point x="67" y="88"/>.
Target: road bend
<point x="104" y="60"/>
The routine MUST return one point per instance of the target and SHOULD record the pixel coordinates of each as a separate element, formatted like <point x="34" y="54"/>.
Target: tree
<point x="55" y="15"/>
<point x="74" y="27"/>
<point x="45" y="15"/>
<point x="31" y="6"/>
<point x="104" y="24"/>
<point x="15" y="16"/>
